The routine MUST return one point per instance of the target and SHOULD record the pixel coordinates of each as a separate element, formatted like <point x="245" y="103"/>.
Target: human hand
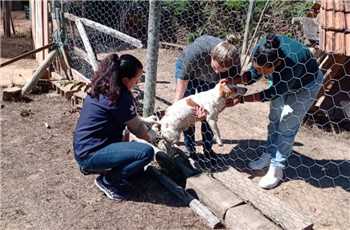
<point x="199" y="112"/>
<point x="152" y="136"/>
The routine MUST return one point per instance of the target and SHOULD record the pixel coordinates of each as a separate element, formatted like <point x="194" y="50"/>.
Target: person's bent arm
<point x="140" y="130"/>
<point x="181" y="86"/>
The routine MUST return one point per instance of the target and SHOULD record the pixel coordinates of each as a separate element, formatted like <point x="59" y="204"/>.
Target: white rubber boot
<point x="272" y="178"/>
<point x="261" y="163"/>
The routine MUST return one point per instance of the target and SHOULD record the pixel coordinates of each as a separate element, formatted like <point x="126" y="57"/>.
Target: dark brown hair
<point x="107" y="80"/>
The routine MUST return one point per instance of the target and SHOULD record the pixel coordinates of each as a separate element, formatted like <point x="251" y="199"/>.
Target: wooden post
<point x="152" y="57"/>
<point x="39" y="72"/>
<point x="87" y="45"/>
<point x="6" y="14"/>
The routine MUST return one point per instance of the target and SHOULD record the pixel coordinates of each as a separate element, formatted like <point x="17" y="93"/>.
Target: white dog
<point x="179" y="115"/>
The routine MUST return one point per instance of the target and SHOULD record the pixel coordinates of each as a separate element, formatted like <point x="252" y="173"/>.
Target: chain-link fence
<point x="317" y="173"/>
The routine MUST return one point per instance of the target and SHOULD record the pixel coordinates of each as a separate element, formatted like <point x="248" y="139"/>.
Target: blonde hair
<point x="226" y="53"/>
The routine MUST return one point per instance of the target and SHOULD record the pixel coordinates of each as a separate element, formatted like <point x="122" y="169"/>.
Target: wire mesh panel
<point x="298" y="83"/>
<point x="253" y="131"/>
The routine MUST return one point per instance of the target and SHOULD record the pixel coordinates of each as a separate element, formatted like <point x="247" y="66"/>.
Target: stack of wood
<point x="332" y="108"/>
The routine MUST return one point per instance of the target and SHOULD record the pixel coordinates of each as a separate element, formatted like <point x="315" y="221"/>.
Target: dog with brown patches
<point x="179" y="115"/>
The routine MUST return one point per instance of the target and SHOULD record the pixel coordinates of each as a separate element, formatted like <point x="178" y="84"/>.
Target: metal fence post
<point x="152" y="57"/>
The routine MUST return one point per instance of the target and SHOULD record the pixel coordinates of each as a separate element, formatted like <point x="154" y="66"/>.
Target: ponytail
<point x="107" y="80"/>
<point x="226" y="52"/>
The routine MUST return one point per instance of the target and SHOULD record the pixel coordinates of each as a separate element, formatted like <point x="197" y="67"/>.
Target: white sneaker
<point x="261" y="163"/>
<point x="272" y="178"/>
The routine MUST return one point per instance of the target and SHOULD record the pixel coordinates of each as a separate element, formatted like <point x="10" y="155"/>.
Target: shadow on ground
<point x="319" y="173"/>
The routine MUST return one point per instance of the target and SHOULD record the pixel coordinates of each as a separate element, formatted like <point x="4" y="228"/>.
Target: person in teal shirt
<point x="295" y="81"/>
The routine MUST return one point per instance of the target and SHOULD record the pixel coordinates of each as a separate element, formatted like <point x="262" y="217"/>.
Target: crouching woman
<point x="98" y="139"/>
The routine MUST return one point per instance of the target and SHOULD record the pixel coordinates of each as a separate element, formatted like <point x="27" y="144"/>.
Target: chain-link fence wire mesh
<point x="184" y="21"/>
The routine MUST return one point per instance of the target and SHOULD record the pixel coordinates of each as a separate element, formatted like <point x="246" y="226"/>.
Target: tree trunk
<point x="6" y="7"/>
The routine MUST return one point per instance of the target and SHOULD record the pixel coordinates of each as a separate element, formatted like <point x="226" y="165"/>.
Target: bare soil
<point x="42" y="188"/>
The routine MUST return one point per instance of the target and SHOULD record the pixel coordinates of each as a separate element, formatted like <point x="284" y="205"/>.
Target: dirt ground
<point x="41" y="186"/>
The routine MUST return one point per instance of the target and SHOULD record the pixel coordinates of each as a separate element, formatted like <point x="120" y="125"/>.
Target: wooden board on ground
<point x="213" y="193"/>
<point x="246" y="217"/>
<point x="271" y="206"/>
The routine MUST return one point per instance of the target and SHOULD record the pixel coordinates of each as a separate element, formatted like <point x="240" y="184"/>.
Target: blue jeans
<point x="121" y="160"/>
<point x="196" y="85"/>
<point x="286" y="115"/>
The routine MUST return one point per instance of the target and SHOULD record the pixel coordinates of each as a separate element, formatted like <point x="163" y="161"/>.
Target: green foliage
<point x="178" y="7"/>
<point x="237" y="5"/>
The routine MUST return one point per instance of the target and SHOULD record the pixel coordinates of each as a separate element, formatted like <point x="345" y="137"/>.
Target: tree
<point x="6" y="14"/>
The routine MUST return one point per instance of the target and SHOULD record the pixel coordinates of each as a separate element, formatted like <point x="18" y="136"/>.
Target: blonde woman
<point x="201" y="65"/>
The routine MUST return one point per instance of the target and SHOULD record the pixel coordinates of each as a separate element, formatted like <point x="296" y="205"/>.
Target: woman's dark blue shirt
<point x="102" y="123"/>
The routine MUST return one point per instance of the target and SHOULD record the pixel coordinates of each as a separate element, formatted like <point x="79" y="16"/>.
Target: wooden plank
<point x="178" y="46"/>
<point x="107" y="30"/>
<point x="213" y="193"/>
<point x="25" y="54"/>
<point x="81" y="54"/>
<point x="195" y="205"/>
<point x="39" y="41"/>
<point x="39" y="72"/>
<point x="45" y="18"/>
<point x="80" y="77"/>
<point x="271" y="206"/>
<point x="32" y="15"/>
<point x="91" y="54"/>
<point x="245" y="217"/>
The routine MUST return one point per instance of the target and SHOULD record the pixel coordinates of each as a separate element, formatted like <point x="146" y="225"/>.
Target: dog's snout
<point x="241" y="90"/>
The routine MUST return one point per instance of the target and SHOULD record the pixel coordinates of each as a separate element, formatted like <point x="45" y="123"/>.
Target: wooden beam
<point x="25" y="54"/>
<point x="39" y="72"/>
<point x="105" y="29"/>
<point x="272" y="207"/>
<point x="247" y="217"/>
<point x="91" y="54"/>
<point x="78" y="76"/>
<point x="80" y="53"/>
<point x="178" y="46"/>
<point x="213" y="193"/>
<point x="66" y="61"/>
<point x="195" y="205"/>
